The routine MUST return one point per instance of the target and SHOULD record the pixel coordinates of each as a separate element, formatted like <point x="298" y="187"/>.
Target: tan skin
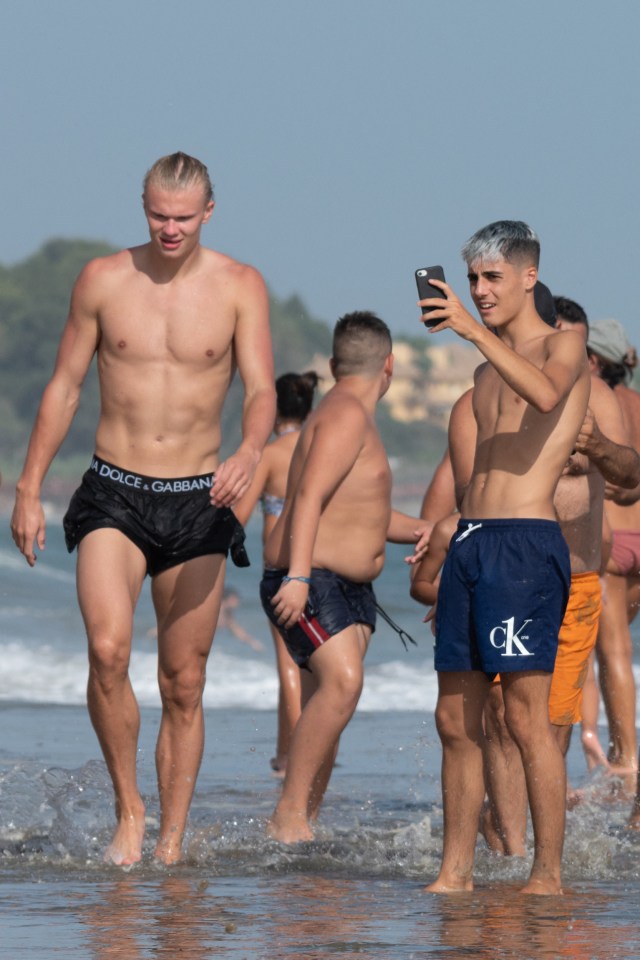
<point x="337" y="516"/>
<point x="271" y="477"/>
<point x="529" y="402"/>
<point x="614" y="648"/>
<point x="601" y="452"/>
<point x="168" y="320"/>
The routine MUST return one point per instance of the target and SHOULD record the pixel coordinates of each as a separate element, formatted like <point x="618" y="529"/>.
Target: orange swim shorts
<point x="576" y="640"/>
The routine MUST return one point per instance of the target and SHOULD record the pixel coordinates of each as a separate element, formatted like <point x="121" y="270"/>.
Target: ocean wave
<point x="48" y="675"/>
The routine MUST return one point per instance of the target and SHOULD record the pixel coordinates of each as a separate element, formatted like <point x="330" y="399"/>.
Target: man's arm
<point x="59" y="403"/>
<point x="604" y="439"/>
<point x="254" y="356"/>
<point x="543" y="388"/>
<point x="405" y="529"/>
<point x="463" y="436"/>
<point x="439" y="499"/>
<point x="335" y="446"/>
<point x="244" y="506"/>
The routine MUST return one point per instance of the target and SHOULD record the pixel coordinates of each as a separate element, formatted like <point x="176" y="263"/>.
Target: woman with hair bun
<point x="294" y="392"/>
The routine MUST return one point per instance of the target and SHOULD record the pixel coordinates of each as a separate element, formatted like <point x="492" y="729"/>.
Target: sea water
<point x="356" y="890"/>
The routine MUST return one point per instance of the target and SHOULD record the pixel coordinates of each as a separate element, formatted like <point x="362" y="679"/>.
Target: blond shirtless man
<point x="169" y="321"/>
<point x="612" y="359"/>
<point x="505" y="582"/>
<point x="325" y="549"/>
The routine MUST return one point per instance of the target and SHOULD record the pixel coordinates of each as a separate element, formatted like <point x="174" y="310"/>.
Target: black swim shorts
<point x="169" y="520"/>
<point x="334" y="604"/>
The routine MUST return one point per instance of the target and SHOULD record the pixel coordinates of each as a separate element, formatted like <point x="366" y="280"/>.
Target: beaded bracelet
<point x="306" y="580"/>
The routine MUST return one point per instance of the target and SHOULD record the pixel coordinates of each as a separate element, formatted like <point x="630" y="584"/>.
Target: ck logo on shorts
<point x="510" y="639"/>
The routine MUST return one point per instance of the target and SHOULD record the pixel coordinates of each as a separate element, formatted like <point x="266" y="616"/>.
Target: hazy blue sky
<point x="350" y="141"/>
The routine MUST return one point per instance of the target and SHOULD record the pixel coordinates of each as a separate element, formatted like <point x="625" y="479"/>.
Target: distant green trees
<point x="34" y="301"/>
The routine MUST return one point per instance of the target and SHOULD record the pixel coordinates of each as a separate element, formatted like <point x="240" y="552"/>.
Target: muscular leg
<point x="331" y="696"/>
<point x="505" y="781"/>
<point x="111" y="570"/>
<point x="461" y="698"/>
<point x="289" y="700"/>
<point x="187" y="602"/>
<point x="617" y="683"/>
<point x="526" y="699"/>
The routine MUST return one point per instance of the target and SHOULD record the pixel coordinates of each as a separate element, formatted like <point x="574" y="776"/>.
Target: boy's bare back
<point x="340" y="458"/>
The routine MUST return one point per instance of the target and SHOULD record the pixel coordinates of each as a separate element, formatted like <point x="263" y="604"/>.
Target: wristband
<point x="288" y="579"/>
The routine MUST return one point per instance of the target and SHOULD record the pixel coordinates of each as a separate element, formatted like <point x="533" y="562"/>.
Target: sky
<point x="350" y="141"/>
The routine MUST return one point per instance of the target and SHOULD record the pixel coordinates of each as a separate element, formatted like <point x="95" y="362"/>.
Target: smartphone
<point x="425" y="289"/>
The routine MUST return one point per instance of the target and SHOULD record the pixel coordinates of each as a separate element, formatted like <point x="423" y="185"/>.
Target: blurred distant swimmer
<point x="169" y="321"/>
<point x="227" y="620"/>
<point x="325" y="549"/>
<point x="295" y="393"/>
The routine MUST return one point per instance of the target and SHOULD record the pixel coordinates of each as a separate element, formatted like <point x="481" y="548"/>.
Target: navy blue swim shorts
<point x="334" y="604"/>
<point x="169" y="520"/>
<point x="503" y="591"/>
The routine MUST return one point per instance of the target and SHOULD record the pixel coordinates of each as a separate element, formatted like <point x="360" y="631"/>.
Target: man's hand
<point x="430" y="617"/>
<point x="624" y="498"/>
<point x="28" y="526"/>
<point x="590" y="434"/>
<point x="450" y="315"/>
<point x="423" y="534"/>
<point x="233" y="477"/>
<point x="289" y="602"/>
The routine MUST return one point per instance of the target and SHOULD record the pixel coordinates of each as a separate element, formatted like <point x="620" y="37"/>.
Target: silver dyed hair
<point x="510" y="240"/>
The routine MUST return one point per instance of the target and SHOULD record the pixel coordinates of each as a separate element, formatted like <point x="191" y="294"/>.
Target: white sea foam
<point x="47" y="675"/>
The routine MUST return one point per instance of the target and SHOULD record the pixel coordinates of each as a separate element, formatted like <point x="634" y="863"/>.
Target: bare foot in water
<point x="169" y="850"/>
<point x="487" y="829"/>
<point x="634" y="820"/>
<point x="291" y="829"/>
<point x="449" y="886"/>
<point x="543" y="888"/>
<point x="574" y="797"/>
<point x="624" y="781"/>
<point x="126" y="846"/>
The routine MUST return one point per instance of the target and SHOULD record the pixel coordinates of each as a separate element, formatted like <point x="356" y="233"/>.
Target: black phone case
<point x="425" y="290"/>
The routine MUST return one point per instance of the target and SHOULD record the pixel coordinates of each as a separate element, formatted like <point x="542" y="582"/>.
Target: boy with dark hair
<point x="324" y="551"/>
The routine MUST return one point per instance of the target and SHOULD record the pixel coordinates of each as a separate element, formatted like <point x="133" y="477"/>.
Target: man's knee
<point x="453" y="728"/>
<point x="182" y="688"/>
<point x="344" y="680"/>
<point x="109" y="654"/>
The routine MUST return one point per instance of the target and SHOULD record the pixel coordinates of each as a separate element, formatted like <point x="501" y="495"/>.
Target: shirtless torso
<point x="521" y="451"/>
<point x="505" y="580"/>
<point x="351" y="533"/>
<point x="165" y="356"/>
<point x="324" y="550"/>
<point x="169" y="321"/>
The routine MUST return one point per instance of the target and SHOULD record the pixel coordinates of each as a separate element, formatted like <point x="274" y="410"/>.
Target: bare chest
<point x="496" y="406"/>
<point x="154" y="323"/>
